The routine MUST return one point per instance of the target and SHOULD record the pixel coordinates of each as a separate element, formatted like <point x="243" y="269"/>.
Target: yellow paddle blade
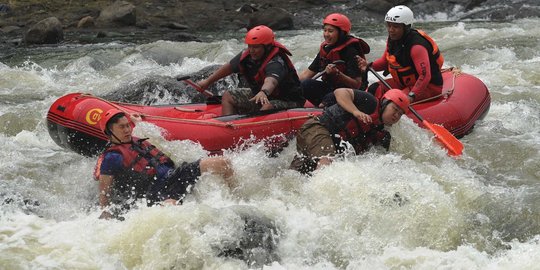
<point x="448" y="141"/>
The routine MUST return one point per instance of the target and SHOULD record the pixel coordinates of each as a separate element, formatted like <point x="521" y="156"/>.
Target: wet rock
<point x="47" y="31"/>
<point x="176" y="26"/>
<point x="275" y="18"/>
<point x="86" y="22"/>
<point x="186" y="37"/>
<point x="9" y="29"/>
<point x="120" y="13"/>
<point x="167" y="90"/>
<point x="258" y="244"/>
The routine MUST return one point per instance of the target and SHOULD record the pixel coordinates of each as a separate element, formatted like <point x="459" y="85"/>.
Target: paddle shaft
<point x="381" y="79"/>
<point x="449" y="141"/>
<point x="319" y="74"/>
<point x="196" y="86"/>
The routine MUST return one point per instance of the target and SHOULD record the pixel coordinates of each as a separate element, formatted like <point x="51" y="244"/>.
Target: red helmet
<point x="260" y="35"/>
<point x="106" y="117"/>
<point x="338" y="20"/>
<point x="399" y="98"/>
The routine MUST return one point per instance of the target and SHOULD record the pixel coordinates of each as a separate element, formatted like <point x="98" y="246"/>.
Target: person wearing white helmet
<point x="411" y="57"/>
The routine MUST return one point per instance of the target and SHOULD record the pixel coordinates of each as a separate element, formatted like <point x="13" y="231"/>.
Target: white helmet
<point x="400" y="14"/>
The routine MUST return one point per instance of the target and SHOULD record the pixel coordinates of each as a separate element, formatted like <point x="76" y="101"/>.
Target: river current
<point x="411" y="208"/>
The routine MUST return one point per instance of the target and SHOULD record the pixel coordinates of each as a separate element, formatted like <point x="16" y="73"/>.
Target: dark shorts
<point x="180" y="181"/>
<point x="313" y="141"/>
<point x="243" y="105"/>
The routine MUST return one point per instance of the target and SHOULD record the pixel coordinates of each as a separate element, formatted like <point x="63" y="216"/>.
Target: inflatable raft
<point x="72" y="119"/>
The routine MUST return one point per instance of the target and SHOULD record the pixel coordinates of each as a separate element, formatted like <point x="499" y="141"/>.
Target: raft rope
<point x="201" y="122"/>
<point x="444" y="93"/>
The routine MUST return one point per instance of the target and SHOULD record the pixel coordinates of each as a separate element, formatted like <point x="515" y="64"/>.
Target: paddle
<point x="196" y="86"/>
<point x="451" y="143"/>
<point x="319" y="74"/>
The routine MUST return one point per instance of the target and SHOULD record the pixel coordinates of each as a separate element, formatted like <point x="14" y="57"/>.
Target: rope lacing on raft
<point x="203" y="122"/>
<point x="445" y="92"/>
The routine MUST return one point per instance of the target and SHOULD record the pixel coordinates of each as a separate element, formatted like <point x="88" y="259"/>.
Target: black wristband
<point x="265" y="92"/>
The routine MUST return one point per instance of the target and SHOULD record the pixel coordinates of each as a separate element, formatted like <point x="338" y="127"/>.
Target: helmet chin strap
<point x="407" y="29"/>
<point x="384" y="103"/>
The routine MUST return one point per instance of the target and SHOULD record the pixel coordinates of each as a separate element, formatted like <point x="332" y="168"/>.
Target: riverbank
<point x="88" y="21"/>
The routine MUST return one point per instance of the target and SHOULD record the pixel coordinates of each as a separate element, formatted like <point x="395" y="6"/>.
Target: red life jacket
<point x="334" y="54"/>
<point x="139" y="156"/>
<point x="401" y="66"/>
<point x="278" y="48"/>
<point x="362" y="136"/>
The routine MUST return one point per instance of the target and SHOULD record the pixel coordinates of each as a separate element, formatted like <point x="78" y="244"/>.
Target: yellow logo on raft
<point x="93" y="116"/>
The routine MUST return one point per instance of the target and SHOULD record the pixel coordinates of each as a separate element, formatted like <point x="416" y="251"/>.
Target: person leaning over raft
<point x="411" y="56"/>
<point x="358" y="118"/>
<point x="133" y="168"/>
<point x="269" y="72"/>
<point x="338" y="44"/>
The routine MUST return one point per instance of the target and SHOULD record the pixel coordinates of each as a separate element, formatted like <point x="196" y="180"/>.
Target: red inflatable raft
<point x="72" y="119"/>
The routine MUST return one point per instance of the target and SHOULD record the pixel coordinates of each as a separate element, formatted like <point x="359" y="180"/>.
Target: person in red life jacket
<point x="338" y="44"/>
<point x="268" y="70"/>
<point x="132" y="168"/>
<point x="411" y="57"/>
<point x="357" y="118"/>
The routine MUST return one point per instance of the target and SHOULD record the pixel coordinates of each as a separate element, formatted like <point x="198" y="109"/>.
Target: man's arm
<point x="221" y="72"/>
<point x="345" y="98"/>
<point x="105" y="187"/>
<point x="420" y="58"/>
<point x="381" y="63"/>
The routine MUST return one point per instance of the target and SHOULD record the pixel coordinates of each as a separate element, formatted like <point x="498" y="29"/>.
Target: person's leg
<point x="220" y="166"/>
<point x="227" y="103"/>
<point x="315" y="147"/>
<point x="187" y="174"/>
<point x="314" y="91"/>
<point x="238" y="101"/>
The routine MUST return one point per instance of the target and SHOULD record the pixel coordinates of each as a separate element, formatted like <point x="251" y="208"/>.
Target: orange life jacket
<point x="261" y="75"/>
<point x="400" y="63"/>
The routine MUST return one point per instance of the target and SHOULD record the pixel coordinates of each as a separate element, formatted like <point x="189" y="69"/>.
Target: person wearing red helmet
<point x="132" y="168"/>
<point x="357" y="118"/>
<point x="269" y="72"/>
<point x="411" y="57"/>
<point x="338" y="45"/>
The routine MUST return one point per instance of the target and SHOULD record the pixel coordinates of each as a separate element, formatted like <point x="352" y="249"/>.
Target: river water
<point x="411" y="208"/>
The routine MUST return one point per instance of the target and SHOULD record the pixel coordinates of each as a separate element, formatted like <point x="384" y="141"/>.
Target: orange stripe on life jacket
<point x="405" y="72"/>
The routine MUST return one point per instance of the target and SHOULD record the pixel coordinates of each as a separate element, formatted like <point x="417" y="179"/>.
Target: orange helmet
<point x="105" y="119"/>
<point x="399" y="98"/>
<point x="338" y="20"/>
<point x="260" y="35"/>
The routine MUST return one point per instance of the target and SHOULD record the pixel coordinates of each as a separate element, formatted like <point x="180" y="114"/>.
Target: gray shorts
<point x="243" y="105"/>
<point x="182" y="178"/>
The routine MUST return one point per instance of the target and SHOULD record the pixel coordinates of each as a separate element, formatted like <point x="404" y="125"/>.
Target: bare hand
<point x="105" y="215"/>
<point x="136" y="117"/>
<point x="362" y="117"/>
<point x="260" y="98"/>
<point x="202" y="84"/>
<point x="331" y="69"/>
<point x="362" y="63"/>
